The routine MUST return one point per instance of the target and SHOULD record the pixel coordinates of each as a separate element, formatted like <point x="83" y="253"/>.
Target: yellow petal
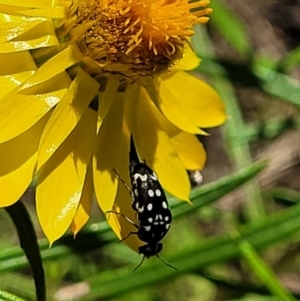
<point x="18" y="162"/>
<point x="56" y="65"/>
<point x="198" y="99"/>
<point x="189" y="60"/>
<point x="154" y="145"/>
<point x="10" y="82"/>
<point x="119" y="224"/>
<point x="61" y="179"/>
<point x="19" y="112"/>
<point x="112" y="151"/>
<point x="83" y="211"/>
<point x="53" y="13"/>
<point x="67" y="114"/>
<point x="30" y="3"/>
<point x="14" y="26"/>
<point x="17" y="62"/>
<point x="190" y="151"/>
<point x="175" y="111"/>
<point x="106" y="98"/>
<point x="44" y="41"/>
<point x="14" y="74"/>
<point x="24" y="33"/>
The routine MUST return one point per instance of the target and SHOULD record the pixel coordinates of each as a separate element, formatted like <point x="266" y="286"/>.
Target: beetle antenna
<point x="139" y="264"/>
<point x="166" y="263"/>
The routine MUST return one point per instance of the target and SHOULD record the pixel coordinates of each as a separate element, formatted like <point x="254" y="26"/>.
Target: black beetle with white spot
<point x="153" y="214"/>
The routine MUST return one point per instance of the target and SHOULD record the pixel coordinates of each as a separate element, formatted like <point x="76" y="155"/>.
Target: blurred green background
<point x="241" y="238"/>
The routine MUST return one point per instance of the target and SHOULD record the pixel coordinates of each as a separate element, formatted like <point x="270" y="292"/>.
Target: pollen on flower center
<point x="137" y="37"/>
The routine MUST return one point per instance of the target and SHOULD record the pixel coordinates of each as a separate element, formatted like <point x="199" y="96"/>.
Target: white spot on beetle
<point x="154" y="176"/>
<point x="136" y="176"/>
<point x="158" y="192"/>
<point x="167" y="226"/>
<point x="137" y="207"/>
<point x="144" y="178"/>
<point x="147" y="228"/>
<point x="139" y="176"/>
<point x="165" y="205"/>
<point x="150" y="219"/>
<point x="136" y="192"/>
<point x="151" y="193"/>
<point x="149" y="207"/>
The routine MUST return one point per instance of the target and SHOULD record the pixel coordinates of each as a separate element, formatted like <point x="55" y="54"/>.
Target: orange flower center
<point x="137" y="37"/>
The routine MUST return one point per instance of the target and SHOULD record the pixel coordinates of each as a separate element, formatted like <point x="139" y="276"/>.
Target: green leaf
<point x="234" y="129"/>
<point x="5" y="296"/>
<point x="271" y="230"/>
<point x="28" y="242"/>
<point x="19" y="284"/>
<point x="277" y="84"/>
<point x="237" y="147"/>
<point x="209" y="193"/>
<point x="227" y="23"/>
<point x="100" y="234"/>
<point x="257" y="298"/>
<point x="259" y="72"/>
<point x="285" y="195"/>
<point x="292" y="60"/>
<point x="262" y="270"/>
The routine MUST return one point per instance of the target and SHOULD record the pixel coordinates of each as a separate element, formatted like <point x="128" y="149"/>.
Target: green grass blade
<point x="100" y="234"/>
<point x="292" y="60"/>
<point x="6" y="296"/>
<point x="262" y="270"/>
<point x="207" y="194"/>
<point x="258" y="75"/>
<point x="271" y="230"/>
<point x="237" y="146"/>
<point x="277" y="84"/>
<point x="234" y="129"/>
<point x="285" y="195"/>
<point x="19" y="284"/>
<point x="257" y="298"/>
<point x="234" y="31"/>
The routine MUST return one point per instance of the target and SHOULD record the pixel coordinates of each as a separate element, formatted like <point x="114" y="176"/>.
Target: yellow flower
<point x="78" y="78"/>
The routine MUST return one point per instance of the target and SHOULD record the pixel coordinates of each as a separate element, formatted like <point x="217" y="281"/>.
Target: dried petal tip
<point x="137" y="37"/>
